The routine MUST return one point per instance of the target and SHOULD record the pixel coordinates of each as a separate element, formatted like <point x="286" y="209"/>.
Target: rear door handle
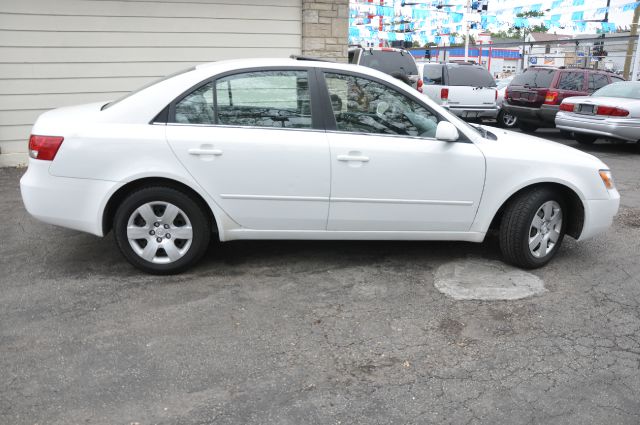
<point x="195" y="151"/>
<point x="358" y="158"/>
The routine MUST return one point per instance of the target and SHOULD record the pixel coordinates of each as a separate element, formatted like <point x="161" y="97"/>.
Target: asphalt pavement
<point x="317" y="332"/>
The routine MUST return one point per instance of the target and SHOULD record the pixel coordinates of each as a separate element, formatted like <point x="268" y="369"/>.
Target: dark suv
<point x="396" y="62"/>
<point x="535" y="95"/>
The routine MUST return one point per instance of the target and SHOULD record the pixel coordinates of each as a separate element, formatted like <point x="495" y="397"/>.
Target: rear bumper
<point x="473" y="112"/>
<point x="618" y="128"/>
<point x="544" y="116"/>
<point x="72" y="203"/>
<point x="599" y="215"/>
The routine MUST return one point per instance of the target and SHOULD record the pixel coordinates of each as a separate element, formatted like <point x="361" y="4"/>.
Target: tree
<point x="516" y="32"/>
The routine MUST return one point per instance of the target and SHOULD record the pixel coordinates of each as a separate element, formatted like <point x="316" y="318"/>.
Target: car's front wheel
<point x="161" y="230"/>
<point x="532" y="228"/>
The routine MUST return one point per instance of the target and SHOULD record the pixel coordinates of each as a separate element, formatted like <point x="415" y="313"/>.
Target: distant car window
<point x="432" y="74"/>
<point x="615" y="78"/>
<point x="364" y="106"/>
<point x="626" y="89"/>
<point x="573" y="81"/>
<point x="469" y="75"/>
<point x="535" y="78"/>
<point x="597" y="81"/>
<point x="389" y="61"/>
<point x="196" y="107"/>
<point x="264" y="99"/>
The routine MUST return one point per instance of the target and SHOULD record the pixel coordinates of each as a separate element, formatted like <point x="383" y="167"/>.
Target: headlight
<point x="607" y="178"/>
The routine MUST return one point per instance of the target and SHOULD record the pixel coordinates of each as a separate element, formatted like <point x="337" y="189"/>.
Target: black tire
<point x="566" y="134"/>
<point x="516" y="228"/>
<point x="527" y="126"/>
<point x="190" y="212"/>
<point x="504" y="122"/>
<point x="585" y="139"/>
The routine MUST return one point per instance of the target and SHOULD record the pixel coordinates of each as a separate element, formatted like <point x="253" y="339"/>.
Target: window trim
<point x="315" y="114"/>
<point x="330" y="120"/>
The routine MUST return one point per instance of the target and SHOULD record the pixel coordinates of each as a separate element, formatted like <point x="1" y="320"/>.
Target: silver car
<point x="613" y="112"/>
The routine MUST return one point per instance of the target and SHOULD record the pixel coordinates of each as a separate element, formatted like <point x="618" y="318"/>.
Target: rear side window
<point x="535" y="78"/>
<point x="597" y="81"/>
<point x="615" y="79"/>
<point x="469" y="75"/>
<point x="253" y="99"/>
<point x="432" y="74"/>
<point x="389" y="62"/>
<point x="573" y="81"/>
<point x="264" y="99"/>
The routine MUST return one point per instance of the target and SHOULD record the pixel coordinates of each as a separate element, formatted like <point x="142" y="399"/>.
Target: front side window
<point x="573" y="81"/>
<point x="364" y="106"/>
<point x="264" y="99"/>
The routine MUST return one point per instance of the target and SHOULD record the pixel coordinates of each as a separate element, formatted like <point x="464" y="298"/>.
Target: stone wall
<point x="325" y="29"/>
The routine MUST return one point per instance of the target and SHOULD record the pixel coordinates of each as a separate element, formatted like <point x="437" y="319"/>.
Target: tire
<point x="529" y="226"/>
<point x="566" y="134"/>
<point x="585" y="139"/>
<point x="527" y="127"/>
<point x="167" y="211"/>
<point x="506" y="120"/>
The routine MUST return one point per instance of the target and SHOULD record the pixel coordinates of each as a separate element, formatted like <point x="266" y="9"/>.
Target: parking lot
<point x="317" y="332"/>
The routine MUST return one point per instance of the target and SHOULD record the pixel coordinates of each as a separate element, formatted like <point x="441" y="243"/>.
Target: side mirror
<point x="447" y="132"/>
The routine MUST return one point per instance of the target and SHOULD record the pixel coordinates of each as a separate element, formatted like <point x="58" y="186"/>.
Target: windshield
<point x="626" y="89"/>
<point x="535" y="78"/>
<point x="469" y="75"/>
<point x="152" y="83"/>
<point x="390" y="62"/>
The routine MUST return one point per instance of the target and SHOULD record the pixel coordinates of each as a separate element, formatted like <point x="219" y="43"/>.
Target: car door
<point x="250" y="140"/>
<point x="388" y="172"/>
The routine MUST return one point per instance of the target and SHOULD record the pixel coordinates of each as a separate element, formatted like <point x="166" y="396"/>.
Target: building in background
<point x="66" y="52"/>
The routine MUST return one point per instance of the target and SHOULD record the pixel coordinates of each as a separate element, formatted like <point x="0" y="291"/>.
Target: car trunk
<point x="474" y="86"/>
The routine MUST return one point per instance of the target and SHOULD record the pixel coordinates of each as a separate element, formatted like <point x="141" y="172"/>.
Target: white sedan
<point x="612" y="112"/>
<point x="301" y="149"/>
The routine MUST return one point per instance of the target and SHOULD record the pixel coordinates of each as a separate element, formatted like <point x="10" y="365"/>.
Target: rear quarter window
<point x="432" y="74"/>
<point x="572" y="81"/>
<point x="535" y="78"/>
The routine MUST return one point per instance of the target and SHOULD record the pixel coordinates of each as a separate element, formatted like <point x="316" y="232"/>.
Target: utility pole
<point x="629" y="58"/>
<point x="466" y="24"/>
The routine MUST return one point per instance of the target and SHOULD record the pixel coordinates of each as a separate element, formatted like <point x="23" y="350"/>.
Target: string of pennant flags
<point x="442" y="23"/>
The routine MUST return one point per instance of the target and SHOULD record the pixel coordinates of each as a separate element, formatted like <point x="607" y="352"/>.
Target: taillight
<point x="444" y="94"/>
<point x="420" y="84"/>
<point x="496" y="94"/>
<point x="612" y="111"/>
<point x="567" y="107"/>
<point x="44" y="148"/>
<point x="551" y="98"/>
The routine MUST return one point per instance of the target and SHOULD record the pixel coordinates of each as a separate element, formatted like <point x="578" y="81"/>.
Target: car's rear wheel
<point x="585" y="139"/>
<point x="507" y="120"/>
<point x="532" y="228"/>
<point x="527" y="127"/>
<point x="161" y="230"/>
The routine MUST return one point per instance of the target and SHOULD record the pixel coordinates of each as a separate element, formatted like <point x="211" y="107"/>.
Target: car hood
<point x="524" y="147"/>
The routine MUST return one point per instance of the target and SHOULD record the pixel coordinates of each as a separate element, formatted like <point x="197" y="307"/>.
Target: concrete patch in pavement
<point x="476" y="279"/>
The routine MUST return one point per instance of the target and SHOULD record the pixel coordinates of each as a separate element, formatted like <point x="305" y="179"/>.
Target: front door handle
<point x="359" y="158"/>
<point x="195" y="151"/>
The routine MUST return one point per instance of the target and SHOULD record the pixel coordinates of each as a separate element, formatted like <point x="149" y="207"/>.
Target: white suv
<point x="466" y="89"/>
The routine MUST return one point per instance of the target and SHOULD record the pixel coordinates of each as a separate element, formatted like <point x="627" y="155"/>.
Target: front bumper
<point x="544" y="116"/>
<point x="617" y="128"/>
<point x="599" y="215"/>
<point x="473" y="112"/>
<point x="68" y="202"/>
